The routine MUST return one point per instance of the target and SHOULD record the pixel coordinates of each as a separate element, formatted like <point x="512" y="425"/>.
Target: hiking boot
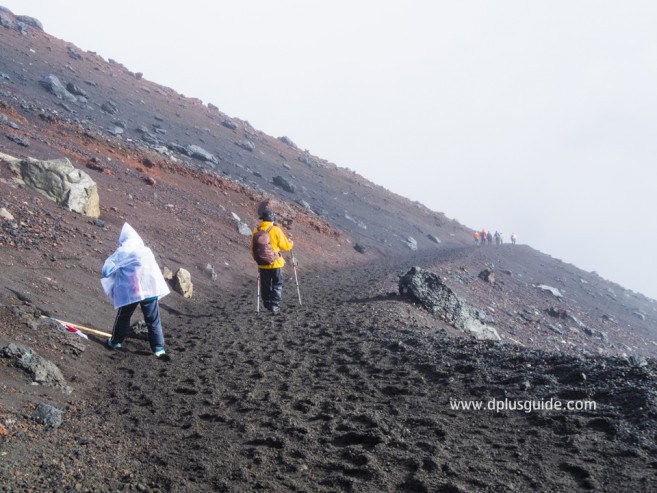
<point x="113" y="345"/>
<point x="275" y="310"/>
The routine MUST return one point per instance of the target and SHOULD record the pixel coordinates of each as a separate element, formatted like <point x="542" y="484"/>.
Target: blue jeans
<point x="151" y="311"/>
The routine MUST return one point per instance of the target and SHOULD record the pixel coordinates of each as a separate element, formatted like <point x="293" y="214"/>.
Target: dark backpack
<point x="263" y="252"/>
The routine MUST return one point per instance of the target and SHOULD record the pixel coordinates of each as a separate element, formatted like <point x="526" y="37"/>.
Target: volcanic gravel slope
<point x="346" y="393"/>
<point x="349" y="392"/>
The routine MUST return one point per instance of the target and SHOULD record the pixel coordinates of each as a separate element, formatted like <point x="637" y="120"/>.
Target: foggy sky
<point x="537" y="118"/>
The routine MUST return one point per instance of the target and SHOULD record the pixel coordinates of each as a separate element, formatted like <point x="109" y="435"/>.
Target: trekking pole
<point x="294" y="265"/>
<point x="258" y="299"/>
<point x="80" y="327"/>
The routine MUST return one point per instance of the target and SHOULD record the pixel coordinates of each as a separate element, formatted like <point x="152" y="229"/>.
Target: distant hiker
<point x="501" y="238"/>
<point x="131" y="277"/>
<point x="490" y="238"/>
<point x="476" y="237"/>
<point x="482" y="236"/>
<point x="266" y="244"/>
<point x="513" y="238"/>
<point x="497" y="238"/>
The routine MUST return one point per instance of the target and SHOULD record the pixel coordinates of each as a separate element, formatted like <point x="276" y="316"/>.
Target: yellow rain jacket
<point x="278" y="242"/>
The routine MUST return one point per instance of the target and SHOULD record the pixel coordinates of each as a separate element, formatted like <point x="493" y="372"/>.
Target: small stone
<point x="5" y="214"/>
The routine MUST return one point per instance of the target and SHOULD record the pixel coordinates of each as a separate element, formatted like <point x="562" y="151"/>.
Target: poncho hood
<point x="129" y="237"/>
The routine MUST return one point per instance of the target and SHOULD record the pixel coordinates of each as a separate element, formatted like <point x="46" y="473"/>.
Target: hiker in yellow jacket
<point x="266" y="244"/>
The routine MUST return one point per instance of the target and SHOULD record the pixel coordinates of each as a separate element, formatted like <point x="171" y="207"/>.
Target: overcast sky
<point x="538" y="118"/>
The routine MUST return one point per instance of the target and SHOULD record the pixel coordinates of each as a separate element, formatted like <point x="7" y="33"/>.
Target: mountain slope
<point x="351" y="391"/>
<point x="355" y="390"/>
<point x="153" y="117"/>
<point x="131" y="134"/>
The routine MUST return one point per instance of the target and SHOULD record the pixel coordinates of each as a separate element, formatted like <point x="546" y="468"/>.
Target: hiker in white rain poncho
<point x="132" y="277"/>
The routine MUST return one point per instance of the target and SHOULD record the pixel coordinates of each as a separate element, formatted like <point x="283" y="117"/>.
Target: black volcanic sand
<point x="349" y="392"/>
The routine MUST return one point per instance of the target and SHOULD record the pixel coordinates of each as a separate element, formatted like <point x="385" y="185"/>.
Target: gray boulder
<point x="288" y="141"/>
<point x="164" y="151"/>
<point x="76" y="90"/>
<point x="594" y="333"/>
<point x="209" y="269"/>
<point x="30" y="21"/>
<point x="149" y="138"/>
<point x="115" y="130"/>
<point x="487" y="275"/>
<point x="182" y="283"/>
<point x="22" y="28"/>
<point x="432" y="293"/>
<point x="555" y="292"/>
<point x="74" y="54"/>
<point x="305" y="158"/>
<point x="49" y="415"/>
<point x="228" y="123"/>
<point x="110" y="107"/>
<point x="6" y="21"/>
<point x="53" y="85"/>
<point x="433" y="238"/>
<point x="411" y="243"/>
<point x="281" y="182"/>
<point x="305" y="205"/>
<point x="556" y="328"/>
<point x="6" y="215"/>
<point x="10" y="160"/>
<point x="176" y="147"/>
<point x="41" y="370"/>
<point x="244" y="229"/>
<point x="60" y="181"/>
<point x="197" y="152"/>
<point x="246" y="145"/>
<point x="21" y="141"/>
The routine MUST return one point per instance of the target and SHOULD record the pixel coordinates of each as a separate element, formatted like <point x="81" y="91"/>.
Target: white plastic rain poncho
<point x="131" y="273"/>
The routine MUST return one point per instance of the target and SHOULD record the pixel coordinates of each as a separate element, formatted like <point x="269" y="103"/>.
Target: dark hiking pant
<point x="271" y="287"/>
<point x="151" y="312"/>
